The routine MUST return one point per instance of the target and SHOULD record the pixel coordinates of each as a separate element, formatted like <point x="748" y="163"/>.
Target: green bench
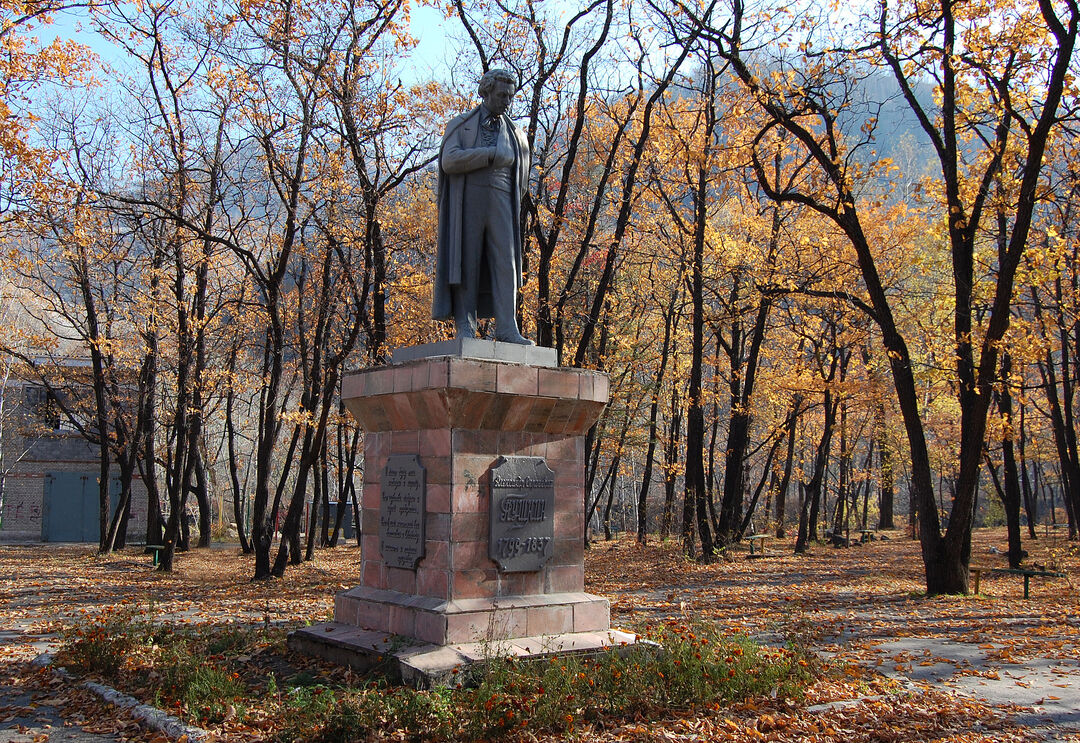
<point x="757" y="545"/>
<point x="155" y="550"/>
<point x="1028" y="573"/>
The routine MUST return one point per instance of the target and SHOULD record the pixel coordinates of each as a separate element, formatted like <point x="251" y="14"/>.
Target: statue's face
<point x="498" y="98"/>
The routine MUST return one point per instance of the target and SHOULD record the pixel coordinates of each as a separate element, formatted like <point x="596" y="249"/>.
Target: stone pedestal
<point x="444" y="418"/>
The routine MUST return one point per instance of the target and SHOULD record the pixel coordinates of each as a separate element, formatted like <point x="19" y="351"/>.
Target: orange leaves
<point x="25" y="67"/>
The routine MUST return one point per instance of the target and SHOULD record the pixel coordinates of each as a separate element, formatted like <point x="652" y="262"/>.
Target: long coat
<point x="458" y="156"/>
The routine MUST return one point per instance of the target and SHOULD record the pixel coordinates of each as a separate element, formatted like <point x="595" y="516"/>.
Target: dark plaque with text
<point x="522" y="514"/>
<point x="401" y="511"/>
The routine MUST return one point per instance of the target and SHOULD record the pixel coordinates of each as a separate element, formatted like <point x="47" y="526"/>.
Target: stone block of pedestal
<point x="472" y="508"/>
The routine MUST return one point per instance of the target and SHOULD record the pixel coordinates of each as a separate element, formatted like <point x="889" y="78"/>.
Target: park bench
<point x="155" y="550"/>
<point x="866" y="535"/>
<point x="757" y="545"/>
<point x="977" y="570"/>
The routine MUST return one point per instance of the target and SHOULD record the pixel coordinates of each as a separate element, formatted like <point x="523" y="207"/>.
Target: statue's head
<point x="487" y="82"/>
<point x="497" y="88"/>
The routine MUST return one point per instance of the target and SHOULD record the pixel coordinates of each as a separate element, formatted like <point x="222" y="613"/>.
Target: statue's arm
<point x="456" y="159"/>
<point x="526" y="160"/>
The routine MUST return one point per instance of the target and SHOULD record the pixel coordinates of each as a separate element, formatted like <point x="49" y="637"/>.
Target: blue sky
<point x="428" y="60"/>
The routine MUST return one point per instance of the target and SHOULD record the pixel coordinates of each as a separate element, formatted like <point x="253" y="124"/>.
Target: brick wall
<point x="25" y="485"/>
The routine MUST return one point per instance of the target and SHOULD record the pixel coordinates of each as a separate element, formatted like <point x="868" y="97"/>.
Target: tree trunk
<point x="117" y="532"/>
<point x="785" y="480"/>
<point x="1012" y="512"/>
<point x="887" y="481"/>
<point x="842" y="511"/>
<point x="812" y="489"/>
<point x="1009" y="468"/>
<point x="613" y="476"/>
<point x="695" y="413"/>
<point x="262" y="522"/>
<point x="323" y="472"/>
<point x="347" y="469"/>
<point x="202" y="498"/>
<point x="1031" y="504"/>
<point x="671" y="453"/>
<point x="654" y="410"/>
<point x="238" y="500"/>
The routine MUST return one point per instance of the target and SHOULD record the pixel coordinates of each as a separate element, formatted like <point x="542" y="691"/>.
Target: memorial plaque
<point x="401" y="511"/>
<point x="522" y="537"/>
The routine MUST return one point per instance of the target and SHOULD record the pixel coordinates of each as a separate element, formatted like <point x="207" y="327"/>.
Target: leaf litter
<point x="842" y="602"/>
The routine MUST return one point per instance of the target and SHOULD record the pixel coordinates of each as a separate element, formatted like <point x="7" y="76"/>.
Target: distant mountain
<point x="898" y="135"/>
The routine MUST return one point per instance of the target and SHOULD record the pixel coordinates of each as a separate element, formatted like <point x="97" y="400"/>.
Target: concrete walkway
<point x="1041" y="693"/>
<point x="39" y="716"/>
<point x="36" y="713"/>
<point x="918" y="647"/>
<point x="1048" y="688"/>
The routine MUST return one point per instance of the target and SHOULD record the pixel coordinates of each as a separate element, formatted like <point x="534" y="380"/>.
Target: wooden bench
<point x="1028" y="573"/>
<point x="866" y="536"/>
<point x="757" y="544"/>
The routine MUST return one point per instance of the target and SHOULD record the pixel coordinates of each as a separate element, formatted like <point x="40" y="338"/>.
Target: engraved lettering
<point x="519" y="510"/>
<point x="401" y="511"/>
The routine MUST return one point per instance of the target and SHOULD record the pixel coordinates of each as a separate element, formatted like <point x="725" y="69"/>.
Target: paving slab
<point x="427" y="665"/>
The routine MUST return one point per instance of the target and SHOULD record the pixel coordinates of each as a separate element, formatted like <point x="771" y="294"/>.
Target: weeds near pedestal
<point x="100" y="645"/>
<point x="214" y="675"/>
<point x="494" y="643"/>
<point x="697" y="669"/>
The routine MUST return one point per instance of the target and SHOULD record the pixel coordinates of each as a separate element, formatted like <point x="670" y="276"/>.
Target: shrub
<point x="194" y="671"/>
<point x="204" y="689"/>
<point x="320" y="714"/>
<point x="697" y="667"/>
<point x="101" y="644"/>
<point x="181" y="667"/>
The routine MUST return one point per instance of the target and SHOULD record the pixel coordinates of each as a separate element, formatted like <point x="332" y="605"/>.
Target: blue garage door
<point x="70" y="512"/>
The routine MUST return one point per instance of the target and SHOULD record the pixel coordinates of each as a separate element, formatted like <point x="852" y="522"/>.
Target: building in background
<point x="49" y="472"/>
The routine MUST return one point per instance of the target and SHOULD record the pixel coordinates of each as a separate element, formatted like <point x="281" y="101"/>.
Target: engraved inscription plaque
<point x="522" y="514"/>
<point x="401" y="511"/>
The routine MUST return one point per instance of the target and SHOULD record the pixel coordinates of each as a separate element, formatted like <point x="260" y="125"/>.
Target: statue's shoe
<point x="517" y="338"/>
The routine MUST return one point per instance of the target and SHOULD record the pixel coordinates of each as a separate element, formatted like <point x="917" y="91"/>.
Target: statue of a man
<point x="483" y="174"/>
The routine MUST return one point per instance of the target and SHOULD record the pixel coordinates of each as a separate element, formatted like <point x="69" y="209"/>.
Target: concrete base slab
<point x="478" y="348"/>
<point x="426" y="665"/>
<point x="448" y="622"/>
<point x="1050" y="687"/>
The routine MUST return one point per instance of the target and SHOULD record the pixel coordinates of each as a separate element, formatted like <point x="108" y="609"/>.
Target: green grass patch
<point x="101" y="645"/>
<point x="698" y="669"/>
<point x="185" y="669"/>
<point x="213" y="674"/>
<point x="206" y="691"/>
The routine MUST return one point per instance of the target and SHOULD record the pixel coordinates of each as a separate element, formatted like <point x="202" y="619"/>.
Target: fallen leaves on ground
<point x="841" y="601"/>
<point x="861" y="593"/>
